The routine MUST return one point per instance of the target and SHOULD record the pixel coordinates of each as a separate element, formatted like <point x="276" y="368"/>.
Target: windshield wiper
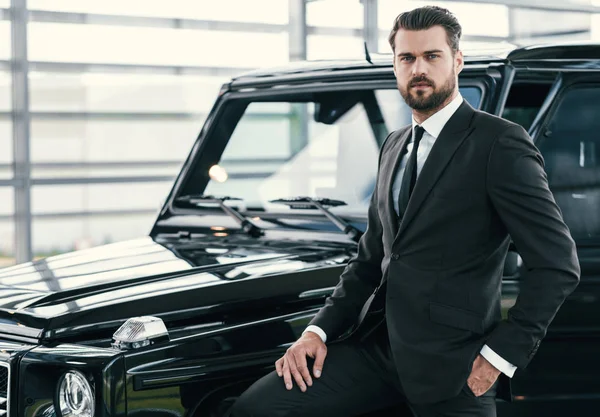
<point x="245" y="223"/>
<point x="320" y="203"/>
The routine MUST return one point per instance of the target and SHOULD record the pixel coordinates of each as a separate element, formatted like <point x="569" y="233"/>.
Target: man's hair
<point x="424" y="18"/>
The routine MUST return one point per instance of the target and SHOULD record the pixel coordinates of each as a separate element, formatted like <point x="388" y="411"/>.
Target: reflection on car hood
<point x="138" y="277"/>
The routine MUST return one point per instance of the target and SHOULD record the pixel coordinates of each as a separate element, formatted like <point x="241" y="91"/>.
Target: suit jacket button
<point x="395" y="256"/>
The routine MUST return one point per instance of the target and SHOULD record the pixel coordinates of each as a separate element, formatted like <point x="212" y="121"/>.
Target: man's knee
<point x="246" y="406"/>
<point x="260" y="400"/>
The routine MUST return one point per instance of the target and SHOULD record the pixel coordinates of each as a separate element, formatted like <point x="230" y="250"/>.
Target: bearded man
<point x="452" y="190"/>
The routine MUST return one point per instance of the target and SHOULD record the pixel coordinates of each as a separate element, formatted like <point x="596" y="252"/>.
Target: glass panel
<point x="595" y="25"/>
<point x="572" y="160"/>
<point x="95" y="197"/>
<point x="92" y="92"/>
<point x="155" y="46"/>
<point x="334" y="13"/>
<point x="51" y="236"/>
<point x="5" y="92"/>
<point x="5" y="37"/>
<point x="468" y="14"/>
<point x="6" y="149"/>
<point x="332" y="47"/>
<point x="123" y="140"/>
<point x="384" y="46"/>
<point x="7" y="242"/>
<point x="6" y="202"/>
<point x="266" y="11"/>
<point x="562" y="26"/>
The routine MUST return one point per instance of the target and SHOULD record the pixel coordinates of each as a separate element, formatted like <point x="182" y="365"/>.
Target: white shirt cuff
<point x="317" y="330"/>
<point x="499" y="363"/>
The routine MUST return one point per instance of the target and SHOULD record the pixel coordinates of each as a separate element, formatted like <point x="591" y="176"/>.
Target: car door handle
<point x="319" y="292"/>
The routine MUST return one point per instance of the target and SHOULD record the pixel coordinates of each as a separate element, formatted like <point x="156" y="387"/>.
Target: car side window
<point x="524" y="101"/>
<point x="570" y="145"/>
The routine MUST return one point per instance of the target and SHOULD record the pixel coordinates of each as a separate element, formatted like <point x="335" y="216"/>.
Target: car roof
<point x="488" y="54"/>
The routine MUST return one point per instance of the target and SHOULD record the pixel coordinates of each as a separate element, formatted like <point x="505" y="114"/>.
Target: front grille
<point x="4" y="388"/>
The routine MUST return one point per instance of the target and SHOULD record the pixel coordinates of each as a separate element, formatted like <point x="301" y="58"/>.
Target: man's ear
<point x="459" y="61"/>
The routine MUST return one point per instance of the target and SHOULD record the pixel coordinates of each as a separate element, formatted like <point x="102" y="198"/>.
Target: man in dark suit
<point x="451" y="191"/>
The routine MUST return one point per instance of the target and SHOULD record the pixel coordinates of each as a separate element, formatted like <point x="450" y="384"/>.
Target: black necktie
<point x="410" y="173"/>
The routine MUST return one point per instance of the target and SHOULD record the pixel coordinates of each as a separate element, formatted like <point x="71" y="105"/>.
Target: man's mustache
<point x="421" y="79"/>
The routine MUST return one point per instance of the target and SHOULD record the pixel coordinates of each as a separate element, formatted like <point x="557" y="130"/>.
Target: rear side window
<point x="571" y="148"/>
<point x="524" y="102"/>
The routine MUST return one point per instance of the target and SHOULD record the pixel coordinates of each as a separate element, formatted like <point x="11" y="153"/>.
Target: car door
<point x="562" y="377"/>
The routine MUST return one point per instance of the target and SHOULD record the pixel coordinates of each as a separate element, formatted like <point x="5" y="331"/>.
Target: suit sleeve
<point x="360" y="277"/>
<point x="518" y="189"/>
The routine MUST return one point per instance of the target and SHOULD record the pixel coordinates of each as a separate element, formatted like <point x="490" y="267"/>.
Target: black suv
<point x="259" y="225"/>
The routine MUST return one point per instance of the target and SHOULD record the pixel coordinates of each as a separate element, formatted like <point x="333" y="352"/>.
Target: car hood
<point x="110" y="283"/>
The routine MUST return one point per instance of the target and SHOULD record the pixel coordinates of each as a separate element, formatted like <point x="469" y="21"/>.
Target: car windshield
<point x="327" y="148"/>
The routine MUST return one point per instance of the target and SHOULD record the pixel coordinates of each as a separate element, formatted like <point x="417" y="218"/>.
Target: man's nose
<point x="419" y="67"/>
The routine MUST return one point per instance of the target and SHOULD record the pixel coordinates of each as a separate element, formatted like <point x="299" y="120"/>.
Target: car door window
<point x="570" y="144"/>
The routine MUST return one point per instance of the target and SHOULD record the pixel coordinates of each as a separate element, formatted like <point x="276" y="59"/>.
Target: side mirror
<point x="512" y="263"/>
<point x="329" y="108"/>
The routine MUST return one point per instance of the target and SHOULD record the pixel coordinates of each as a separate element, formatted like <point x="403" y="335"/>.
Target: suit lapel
<point x="395" y="152"/>
<point x="451" y="137"/>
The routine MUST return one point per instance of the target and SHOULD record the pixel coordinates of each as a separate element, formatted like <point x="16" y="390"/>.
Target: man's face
<point x="426" y="71"/>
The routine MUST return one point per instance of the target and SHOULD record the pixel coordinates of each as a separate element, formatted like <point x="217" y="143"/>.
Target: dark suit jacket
<point x="439" y="271"/>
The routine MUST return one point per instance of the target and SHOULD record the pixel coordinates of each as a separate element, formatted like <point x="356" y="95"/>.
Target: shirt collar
<point x="436" y="122"/>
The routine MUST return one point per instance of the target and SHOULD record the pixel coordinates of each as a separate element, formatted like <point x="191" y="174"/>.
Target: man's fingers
<point x="291" y="361"/>
<point x="295" y="374"/>
<point x="302" y="367"/>
<point x="279" y="366"/>
<point x="319" y="360"/>
<point x="478" y="386"/>
<point x="287" y="376"/>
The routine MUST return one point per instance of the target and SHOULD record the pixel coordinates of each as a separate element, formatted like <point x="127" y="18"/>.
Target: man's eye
<point x="406" y="58"/>
<point x="432" y="56"/>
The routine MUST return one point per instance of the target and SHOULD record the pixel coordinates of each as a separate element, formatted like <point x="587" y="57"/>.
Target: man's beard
<point x="417" y="100"/>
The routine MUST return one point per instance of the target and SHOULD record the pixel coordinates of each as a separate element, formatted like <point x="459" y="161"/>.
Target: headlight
<point x="75" y="396"/>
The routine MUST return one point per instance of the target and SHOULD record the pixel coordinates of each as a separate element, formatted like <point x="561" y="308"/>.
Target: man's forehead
<point x="420" y="41"/>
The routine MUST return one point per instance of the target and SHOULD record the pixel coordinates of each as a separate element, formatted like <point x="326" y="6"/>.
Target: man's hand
<point x="483" y="376"/>
<point x="293" y="363"/>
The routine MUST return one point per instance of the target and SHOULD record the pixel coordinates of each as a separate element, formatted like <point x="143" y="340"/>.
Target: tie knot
<point x="419" y="131"/>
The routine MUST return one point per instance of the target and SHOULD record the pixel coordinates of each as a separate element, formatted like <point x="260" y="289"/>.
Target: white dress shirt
<point x="433" y="127"/>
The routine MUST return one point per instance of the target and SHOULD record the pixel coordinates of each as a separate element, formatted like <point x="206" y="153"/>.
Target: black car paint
<point x="227" y="328"/>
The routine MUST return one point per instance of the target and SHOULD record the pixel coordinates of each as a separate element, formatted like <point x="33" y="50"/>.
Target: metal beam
<point x="549" y="34"/>
<point x="21" y="138"/>
<point x="150" y="116"/>
<point x="298" y="52"/>
<point x="297" y="30"/>
<point x="79" y="67"/>
<point x="88" y="213"/>
<point x="105" y="164"/>
<point x="545" y="5"/>
<point x="370" y="26"/>
<point x="155" y="22"/>
<point x="92" y="180"/>
<point x="100" y="180"/>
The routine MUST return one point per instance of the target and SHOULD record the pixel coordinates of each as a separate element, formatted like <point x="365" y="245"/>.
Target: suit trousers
<point x="359" y="378"/>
